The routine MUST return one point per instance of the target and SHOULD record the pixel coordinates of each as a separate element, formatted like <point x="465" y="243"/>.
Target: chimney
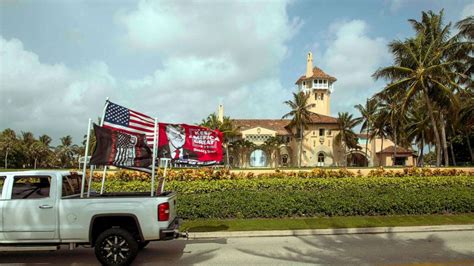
<point x="220" y="113"/>
<point x="309" y="65"/>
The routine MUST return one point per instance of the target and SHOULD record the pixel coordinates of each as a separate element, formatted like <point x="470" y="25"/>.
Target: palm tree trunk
<point x="452" y="153"/>
<point x="435" y="128"/>
<point x="35" y="162"/>
<point x="6" y="159"/>
<point x="367" y="144"/>
<point x="443" y="139"/>
<point x="421" y="150"/>
<point x="301" y="144"/>
<point x="227" y="154"/>
<point x="381" y="149"/>
<point x="395" y="142"/>
<point x="470" y="149"/>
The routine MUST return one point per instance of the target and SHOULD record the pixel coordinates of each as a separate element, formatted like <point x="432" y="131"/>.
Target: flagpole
<point x="85" y="158"/>
<point x="105" y="167"/>
<point x="154" y="157"/>
<point x="91" y="174"/>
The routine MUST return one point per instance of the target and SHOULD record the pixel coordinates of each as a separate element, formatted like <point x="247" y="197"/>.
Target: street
<point x="456" y="247"/>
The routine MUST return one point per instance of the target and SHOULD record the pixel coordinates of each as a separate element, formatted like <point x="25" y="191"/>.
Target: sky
<point x="178" y="60"/>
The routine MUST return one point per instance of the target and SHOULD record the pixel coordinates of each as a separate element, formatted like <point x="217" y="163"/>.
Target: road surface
<point x="442" y="248"/>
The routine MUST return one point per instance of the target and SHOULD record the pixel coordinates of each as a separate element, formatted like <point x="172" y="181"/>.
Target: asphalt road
<point x="442" y="248"/>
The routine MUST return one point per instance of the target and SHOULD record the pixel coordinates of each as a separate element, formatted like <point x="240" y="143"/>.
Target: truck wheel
<point x="116" y="246"/>
<point x="142" y="245"/>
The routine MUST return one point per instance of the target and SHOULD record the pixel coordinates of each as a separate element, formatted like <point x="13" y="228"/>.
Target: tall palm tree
<point x="300" y="117"/>
<point x="423" y="66"/>
<point x="346" y="136"/>
<point x="367" y="117"/>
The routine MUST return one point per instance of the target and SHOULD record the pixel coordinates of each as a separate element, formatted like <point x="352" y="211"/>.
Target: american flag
<point x="129" y="121"/>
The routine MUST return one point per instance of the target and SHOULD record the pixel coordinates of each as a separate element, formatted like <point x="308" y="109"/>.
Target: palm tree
<point x="27" y="140"/>
<point x="423" y="66"/>
<point x="243" y="146"/>
<point x="367" y="118"/>
<point x="8" y="141"/>
<point x="300" y="117"/>
<point x="418" y="127"/>
<point x="226" y="127"/>
<point x="272" y="144"/>
<point x="381" y="127"/>
<point x="346" y="135"/>
<point x="66" y="151"/>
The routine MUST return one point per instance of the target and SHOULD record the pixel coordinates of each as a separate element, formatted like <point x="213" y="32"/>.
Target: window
<point x="304" y="83"/>
<point x="399" y="160"/>
<point x="31" y="187"/>
<point x="321" y="157"/>
<point x="314" y="132"/>
<point x="320" y="81"/>
<point x="2" y="181"/>
<point x="72" y="185"/>
<point x="322" y="96"/>
<point x="329" y="132"/>
<point x="321" y="132"/>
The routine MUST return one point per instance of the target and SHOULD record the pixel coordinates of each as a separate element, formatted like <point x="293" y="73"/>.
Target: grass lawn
<point x="325" y="222"/>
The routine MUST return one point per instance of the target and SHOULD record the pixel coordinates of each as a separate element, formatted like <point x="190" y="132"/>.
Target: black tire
<point x="142" y="245"/>
<point x="116" y="246"/>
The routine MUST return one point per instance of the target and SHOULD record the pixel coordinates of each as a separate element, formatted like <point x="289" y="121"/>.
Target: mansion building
<point x="319" y="146"/>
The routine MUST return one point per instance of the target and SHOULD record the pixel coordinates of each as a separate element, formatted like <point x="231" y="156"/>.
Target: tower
<point x="319" y="85"/>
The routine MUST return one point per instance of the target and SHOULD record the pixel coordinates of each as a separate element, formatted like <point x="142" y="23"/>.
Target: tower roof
<point x="317" y="73"/>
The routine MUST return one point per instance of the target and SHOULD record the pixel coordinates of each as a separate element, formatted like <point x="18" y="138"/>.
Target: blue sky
<point x="177" y="60"/>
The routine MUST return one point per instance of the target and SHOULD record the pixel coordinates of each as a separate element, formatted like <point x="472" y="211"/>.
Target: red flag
<point x="187" y="144"/>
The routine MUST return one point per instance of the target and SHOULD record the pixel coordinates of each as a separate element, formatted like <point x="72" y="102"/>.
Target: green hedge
<point x="295" y="197"/>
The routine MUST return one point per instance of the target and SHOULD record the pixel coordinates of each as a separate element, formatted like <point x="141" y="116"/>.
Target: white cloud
<point x="48" y="99"/>
<point x="212" y="51"/>
<point x="352" y="57"/>
<point x="467" y="11"/>
<point x="207" y="52"/>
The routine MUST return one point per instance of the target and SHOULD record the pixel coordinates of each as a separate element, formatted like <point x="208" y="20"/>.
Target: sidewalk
<point x="338" y="231"/>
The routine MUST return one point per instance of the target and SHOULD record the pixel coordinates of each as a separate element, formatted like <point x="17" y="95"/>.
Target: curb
<point x="338" y="231"/>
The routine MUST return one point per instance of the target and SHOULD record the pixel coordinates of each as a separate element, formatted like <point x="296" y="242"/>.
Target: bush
<point x="225" y="174"/>
<point x="306" y="196"/>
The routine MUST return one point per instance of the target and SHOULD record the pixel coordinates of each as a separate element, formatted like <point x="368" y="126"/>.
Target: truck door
<point x="2" y="181"/>
<point x="31" y="212"/>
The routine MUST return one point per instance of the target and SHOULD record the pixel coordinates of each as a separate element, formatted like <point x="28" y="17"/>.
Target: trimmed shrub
<point x="306" y="196"/>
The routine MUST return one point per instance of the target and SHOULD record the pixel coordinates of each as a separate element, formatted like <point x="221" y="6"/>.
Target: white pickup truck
<point x="41" y="210"/>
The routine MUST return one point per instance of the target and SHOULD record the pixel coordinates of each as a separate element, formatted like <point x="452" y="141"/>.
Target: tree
<point x="424" y="66"/>
<point x="242" y="146"/>
<point x="66" y="151"/>
<point x="300" y="117"/>
<point x="272" y="145"/>
<point x="226" y="127"/>
<point x="418" y="127"/>
<point x="346" y="135"/>
<point x="368" y="114"/>
<point x="8" y="141"/>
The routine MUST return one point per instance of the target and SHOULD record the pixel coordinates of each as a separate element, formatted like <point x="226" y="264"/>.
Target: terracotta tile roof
<point x="322" y="119"/>
<point x="317" y="73"/>
<point x="277" y="125"/>
<point x="400" y="150"/>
